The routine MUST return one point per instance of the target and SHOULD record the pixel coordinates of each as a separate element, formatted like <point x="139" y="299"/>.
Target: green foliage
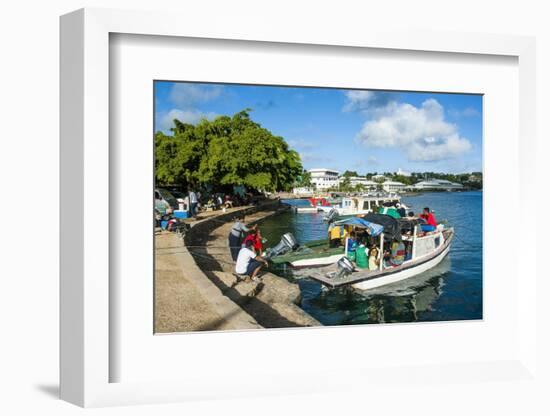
<point x="224" y="152"/>
<point x="304" y="180"/>
<point x="345" y="185"/>
<point x="350" y="173"/>
<point x="407" y="180"/>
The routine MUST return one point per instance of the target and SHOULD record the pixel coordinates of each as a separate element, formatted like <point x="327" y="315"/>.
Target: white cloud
<point x="467" y="112"/>
<point x="186" y="95"/>
<point x="368" y="101"/>
<point x="372" y="160"/>
<point x="165" y="120"/>
<point x="421" y="132"/>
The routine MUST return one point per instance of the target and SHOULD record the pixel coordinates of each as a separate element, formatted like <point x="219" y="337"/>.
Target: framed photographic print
<point x="330" y="205"/>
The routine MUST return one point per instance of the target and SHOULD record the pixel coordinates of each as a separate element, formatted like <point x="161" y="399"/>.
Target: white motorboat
<point x="360" y="205"/>
<point x="426" y="250"/>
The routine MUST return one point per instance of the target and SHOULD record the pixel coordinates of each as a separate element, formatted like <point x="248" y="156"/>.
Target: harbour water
<point x="450" y="291"/>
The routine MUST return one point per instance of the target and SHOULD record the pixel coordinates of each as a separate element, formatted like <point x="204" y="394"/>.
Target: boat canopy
<point x="390" y="225"/>
<point x="373" y="229"/>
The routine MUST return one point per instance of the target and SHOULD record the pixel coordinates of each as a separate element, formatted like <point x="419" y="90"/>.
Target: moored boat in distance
<point x="360" y="205"/>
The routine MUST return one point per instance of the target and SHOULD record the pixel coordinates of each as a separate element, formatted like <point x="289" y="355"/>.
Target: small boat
<point x="315" y="253"/>
<point x="425" y="251"/>
<point x="360" y="205"/>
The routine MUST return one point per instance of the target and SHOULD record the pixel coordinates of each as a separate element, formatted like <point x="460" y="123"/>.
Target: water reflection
<point x="400" y="302"/>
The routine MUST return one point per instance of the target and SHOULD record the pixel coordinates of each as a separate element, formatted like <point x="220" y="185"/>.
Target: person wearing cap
<point x="238" y="230"/>
<point x="248" y="262"/>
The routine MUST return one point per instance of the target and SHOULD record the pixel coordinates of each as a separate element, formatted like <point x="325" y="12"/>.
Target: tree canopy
<point x="224" y="152"/>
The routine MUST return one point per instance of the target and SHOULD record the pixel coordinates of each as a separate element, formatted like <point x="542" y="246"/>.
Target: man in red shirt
<point x="431" y="223"/>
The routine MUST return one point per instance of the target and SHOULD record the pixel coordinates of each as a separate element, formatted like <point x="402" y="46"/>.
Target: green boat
<point x="314" y="253"/>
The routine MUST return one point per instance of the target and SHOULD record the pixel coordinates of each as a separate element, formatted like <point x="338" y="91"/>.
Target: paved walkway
<point x="196" y="290"/>
<point x="184" y="299"/>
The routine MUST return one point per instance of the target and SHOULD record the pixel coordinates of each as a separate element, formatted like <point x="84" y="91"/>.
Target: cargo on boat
<point x="397" y="249"/>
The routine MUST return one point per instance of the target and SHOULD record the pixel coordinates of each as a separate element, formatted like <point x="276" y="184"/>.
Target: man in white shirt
<point x="248" y="262"/>
<point x="193" y="201"/>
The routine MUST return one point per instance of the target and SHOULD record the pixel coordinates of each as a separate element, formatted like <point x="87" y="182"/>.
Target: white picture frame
<point x="86" y="356"/>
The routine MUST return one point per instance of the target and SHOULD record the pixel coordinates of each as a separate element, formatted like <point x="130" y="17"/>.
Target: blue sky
<point x="361" y="130"/>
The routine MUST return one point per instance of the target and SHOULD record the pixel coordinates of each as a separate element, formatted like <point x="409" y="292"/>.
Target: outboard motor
<point x="287" y="243"/>
<point x="345" y="267"/>
<point x="331" y="215"/>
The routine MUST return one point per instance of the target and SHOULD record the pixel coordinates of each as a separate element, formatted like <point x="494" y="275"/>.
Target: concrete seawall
<point x="196" y="290"/>
<point x="274" y="301"/>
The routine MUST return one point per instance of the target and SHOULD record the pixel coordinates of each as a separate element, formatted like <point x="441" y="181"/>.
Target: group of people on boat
<point x="246" y="248"/>
<point x="365" y="250"/>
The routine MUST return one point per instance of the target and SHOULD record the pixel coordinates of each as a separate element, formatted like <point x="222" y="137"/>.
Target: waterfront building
<point x="437" y="185"/>
<point x="378" y="178"/>
<point x="357" y="180"/>
<point x="324" y="178"/>
<point x="393" y="186"/>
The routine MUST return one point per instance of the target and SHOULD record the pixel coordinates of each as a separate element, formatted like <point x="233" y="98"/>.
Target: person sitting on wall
<point x="228" y="202"/>
<point x="248" y="262"/>
<point x="431" y="223"/>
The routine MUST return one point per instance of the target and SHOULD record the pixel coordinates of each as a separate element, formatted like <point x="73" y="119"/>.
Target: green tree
<point x="350" y="173"/>
<point x="345" y="185"/>
<point x="304" y="180"/>
<point x="224" y="152"/>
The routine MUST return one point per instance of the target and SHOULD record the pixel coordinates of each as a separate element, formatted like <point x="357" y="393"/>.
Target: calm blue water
<point x="450" y="291"/>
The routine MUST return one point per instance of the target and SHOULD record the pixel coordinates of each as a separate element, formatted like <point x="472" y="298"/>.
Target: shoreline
<point x="205" y="264"/>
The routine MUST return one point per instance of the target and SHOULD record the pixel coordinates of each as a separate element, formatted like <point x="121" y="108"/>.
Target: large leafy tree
<point x="226" y="151"/>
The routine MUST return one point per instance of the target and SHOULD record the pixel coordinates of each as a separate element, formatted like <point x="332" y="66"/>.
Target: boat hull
<point x="403" y="274"/>
<point x="317" y="262"/>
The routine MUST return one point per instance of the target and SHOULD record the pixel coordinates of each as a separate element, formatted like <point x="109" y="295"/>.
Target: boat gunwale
<point x="387" y="272"/>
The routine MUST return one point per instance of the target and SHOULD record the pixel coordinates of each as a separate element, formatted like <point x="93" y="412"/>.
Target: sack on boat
<point x="361" y="259"/>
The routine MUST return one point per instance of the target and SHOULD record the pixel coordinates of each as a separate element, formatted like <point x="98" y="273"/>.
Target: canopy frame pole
<point x="346" y="243"/>
<point x="381" y="254"/>
<point x="413" y="254"/>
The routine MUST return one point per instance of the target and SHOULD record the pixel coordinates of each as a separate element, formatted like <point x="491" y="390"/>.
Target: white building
<point x="437" y="185"/>
<point x="392" y="186"/>
<point x="324" y="178"/>
<point x="378" y="178"/>
<point x="357" y="180"/>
